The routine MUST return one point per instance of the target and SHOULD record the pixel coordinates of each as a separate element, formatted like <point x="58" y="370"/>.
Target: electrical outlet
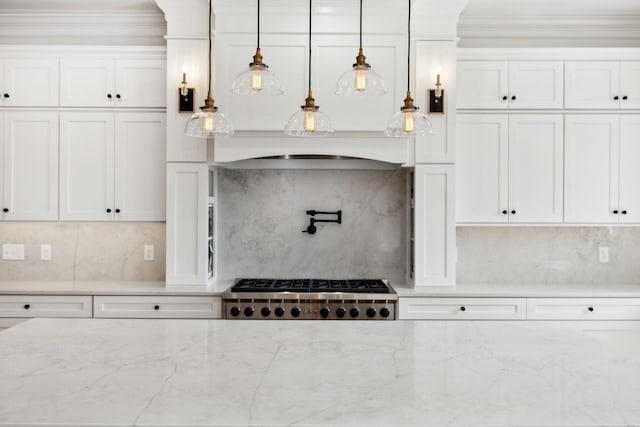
<point x="603" y="254"/>
<point x="11" y="251"/>
<point x="45" y="252"/>
<point x="148" y="253"/>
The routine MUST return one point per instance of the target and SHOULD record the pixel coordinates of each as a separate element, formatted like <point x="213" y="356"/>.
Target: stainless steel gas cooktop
<point x="331" y="299"/>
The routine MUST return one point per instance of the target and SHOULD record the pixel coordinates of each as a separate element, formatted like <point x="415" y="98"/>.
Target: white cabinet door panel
<point x="630" y="84"/>
<point x="536" y="84"/>
<point x="140" y="166"/>
<point x="87" y="83"/>
<point x="482" y="84"/>
<point x="591" y="84"/>
<point x="140" y="83"/>
<point x="482" y="168"/>
<point x="629" y="205"/>
<point x="583" y="308"/>
<point x="461" y="308"/>
<point x="30" y="165"/>
<point x="159" y="307"/>
<point x="31" y="82"/>
<point x="591" y="165"/>
<point x="535" y="168"/>
<point x="86" y="166"/>
<point x="21" y="306"/>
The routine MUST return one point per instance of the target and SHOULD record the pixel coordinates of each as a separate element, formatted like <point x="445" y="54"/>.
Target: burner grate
<point x="311" y="285"/>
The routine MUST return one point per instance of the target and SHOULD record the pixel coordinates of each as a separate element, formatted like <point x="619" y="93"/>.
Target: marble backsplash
<point x="261" y="215"/>
<point x="85" y="251"/>
<point x="548" y="255"/>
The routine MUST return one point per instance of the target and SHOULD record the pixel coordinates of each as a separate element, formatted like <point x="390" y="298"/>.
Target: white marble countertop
<point x="107" y="288"/>
<point x="115" y="372"/>
<point x="583" y="290"/>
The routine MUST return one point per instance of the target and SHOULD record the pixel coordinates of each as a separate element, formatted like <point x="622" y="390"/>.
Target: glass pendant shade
<point x="257" y="80"/>
<point x="408" y="121"/>
<point x="360" y="80"/>
<point x="208" y="122"/>
<point x="308" y="121"/>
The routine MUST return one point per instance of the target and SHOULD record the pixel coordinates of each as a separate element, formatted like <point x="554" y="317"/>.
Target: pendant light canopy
<point x="257" y="79"/>
<point x="208" y="122"/>
<point x="309" y="121"/>
<point x="408" y="120"/>
<point x="360" y="80"/>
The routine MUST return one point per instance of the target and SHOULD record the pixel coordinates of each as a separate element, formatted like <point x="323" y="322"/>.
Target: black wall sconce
<point x="185" y="97"/>
<point x="311" y="229"/>
<point x="436" y="98"/>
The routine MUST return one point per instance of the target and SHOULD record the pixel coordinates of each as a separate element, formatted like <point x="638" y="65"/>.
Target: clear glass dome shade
<point x="257" y="80"/>
<point x="360" y="80"/>
<point x="208" y="123"/>
<point x="308" y="123"/>
<point x="408" y="122"/>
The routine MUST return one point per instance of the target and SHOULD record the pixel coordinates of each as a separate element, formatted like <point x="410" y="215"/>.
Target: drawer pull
<point x="27" y="306"/>
<point x="463" y="308"/>
<point x="156" y="307"/>
<point x="615" y="98"/>
<point x="590" y="308"/>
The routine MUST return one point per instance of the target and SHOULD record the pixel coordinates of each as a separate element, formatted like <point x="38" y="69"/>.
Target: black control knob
<point x="295" y="311"/>
<point x="504" y="98"/>
<point x="248" y="311"/>
<point x="279" y="311"/>
<point x="266" y="311"/>
<point x="504" y="212"/>
<point x="463" y="308"/>
<point x="341" y="312"/>
<point x="324" y="312"/>
<point x="27" y="306"/>
<point x="385" y="312"/>
<point x="156" y="307"/>
<point x="235" y="311"/>
<point x="371" y="312"/>
<point x="354" y="312"/>
<point x="590" y="309"/>
<point x="5" y="210"/>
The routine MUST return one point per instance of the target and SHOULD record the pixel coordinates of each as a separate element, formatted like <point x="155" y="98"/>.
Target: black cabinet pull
<point x="513" y="98"/>
<point x="504" y="98"/>
<point x="463" y="308"/>
<point x="590" y="309"/>
<point x="615" y="98"/>
<point x="118" y="95"/>
<point x="615" y="212"/>
<point x="108" y="210"/>
<point x="624" y="212"/>
<point x="117" y="210"/>
<point x="625" y="97"/>
<point x="5" y="210"/>
<point x="6" y="95"/>
<point x="27" y="306"/>
<point x="504" y="212"/>
<point x="513" y="212"/>
<point x="156" y="307"/>
<point x="109" y="96"/>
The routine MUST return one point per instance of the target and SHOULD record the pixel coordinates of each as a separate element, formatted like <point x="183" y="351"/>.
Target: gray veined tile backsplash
<point x="548" y="255"/>
<point x="261" y="215"/>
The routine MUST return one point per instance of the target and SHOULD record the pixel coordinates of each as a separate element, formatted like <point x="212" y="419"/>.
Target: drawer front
<point x="583" y="308"/>
<point x="20" y="306"/>
<point x="149" y="307"/>
<point x="462" y="308"/>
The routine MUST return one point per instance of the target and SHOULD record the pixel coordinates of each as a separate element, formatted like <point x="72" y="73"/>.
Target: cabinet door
<point x="482" y="168"/>
<point x="630" y="84"/>
<point x="140" y="166"/>
<point x="482" y="84"/>
<point x="629" y="206"/>
<point x="87" y="83"/>
<point x="591" y="84"/>
<point x="591" y="168"/>
<point x="86" y="166"/>
<point x="31" y="83"/>
<point x="141" y="83"/>
<point x="535" y="84"/>
<point x="30" y="166"/>
<point x="535" y="168"/>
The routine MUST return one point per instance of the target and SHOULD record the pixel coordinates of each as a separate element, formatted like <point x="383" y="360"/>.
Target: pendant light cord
<point x="310" y="45"/>
<point x="360" y="24"/>
<point x="258" y="24"/>
<point x="210" y="12"/>
<point x="409" y="47"/>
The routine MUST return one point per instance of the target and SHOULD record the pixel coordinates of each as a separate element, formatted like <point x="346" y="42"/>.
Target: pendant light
<point x="208" y="122"/>
<point x="257" y="79"/>
<point x="308" y="121"/>
<point x="360" y="79"/>
<point x="408" y="120"/>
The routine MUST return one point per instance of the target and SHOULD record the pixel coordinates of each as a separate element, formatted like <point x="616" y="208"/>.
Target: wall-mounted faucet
<point x="311" y="229"/>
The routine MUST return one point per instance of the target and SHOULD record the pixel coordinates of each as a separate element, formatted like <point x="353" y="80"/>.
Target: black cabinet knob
<point x="117" y="210"/>
<point x="615" y="98"/>
<point x="248" y="311"/>
<point x="354" y="312"/>
<point x="295" y="311"/>
<point x="5" y="210"/>
<point x="6" y="95"/>
<point x="156" y="307"/>
<point x="463" y="308"/>
<point x="590" y="308"/>
<point x="108" y="210"/>
<point x="27" y="306"/>
<point x="504" y="212"/>
<point x="385" y="312"/>
<point x="235" y="311"/>
<point x="513" y="212"/>
<point x="109" y="96"/>
<point x="615" y="211"/>
<point x="266" y="311"/>
<point x="625" y="97"/>
<point x="513" y="98"/>
<point x="504" y="98"/>
<point x="324" y="312"/>
<point x="279" y="311"/>
<point x="371" y="312"/>
<point x="624" y="212"/>
<point x="341" y="312"/>
<point x="118" y="95"/>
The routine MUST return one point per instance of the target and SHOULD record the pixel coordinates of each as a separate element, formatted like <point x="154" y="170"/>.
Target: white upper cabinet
<point x="602" y="84"/>
<point x="510" y="85"/>
<point x="29" y="83"/>
<point x="139" y="83"/>
<point x="629" y="205"/>
<point x="509" y="168"/>
<point x="29" y="160"/>
<point x="112" y="166"/>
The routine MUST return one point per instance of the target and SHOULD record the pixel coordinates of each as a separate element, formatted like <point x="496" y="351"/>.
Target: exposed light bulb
<point x="309" y="123"/>
<point x="408" y="122"/>
<point x="438" y="91"/>
<point x="360" y="82"/>
<point x="184" y="91"/>
<point x="256" y="80"/>
<point x="208" y="123"/>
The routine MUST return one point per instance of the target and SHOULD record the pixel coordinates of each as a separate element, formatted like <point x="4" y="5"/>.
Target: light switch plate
<point x="603" y="254"/>
<point x="149" y="253"/>
<point x="13" y="251"/>
<point x="45" y="252"/>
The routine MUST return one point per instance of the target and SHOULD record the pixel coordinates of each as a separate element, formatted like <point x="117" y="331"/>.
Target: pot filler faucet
<point x="311" y="229"/>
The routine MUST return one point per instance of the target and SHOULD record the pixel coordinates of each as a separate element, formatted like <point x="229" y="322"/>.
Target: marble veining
<point x="303" y="373"/>
<point x="262" y="214"/>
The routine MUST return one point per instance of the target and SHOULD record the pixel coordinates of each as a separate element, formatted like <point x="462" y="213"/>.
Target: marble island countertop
<point x="305" y="373"/>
